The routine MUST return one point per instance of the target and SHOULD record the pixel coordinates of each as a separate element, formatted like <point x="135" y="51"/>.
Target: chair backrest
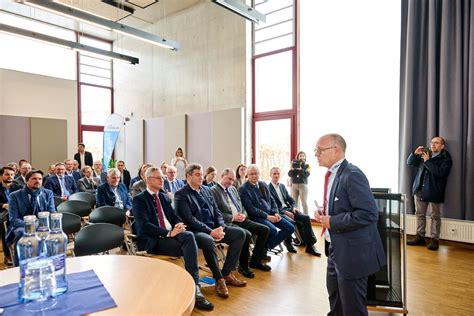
<point x="84" y="197"/>
<point x="71" y="223"/>
<point x="108" y="214"/>
<point x="76" y="207"/>
<point x="57" y="201"/>
<point x="97" y="238"/>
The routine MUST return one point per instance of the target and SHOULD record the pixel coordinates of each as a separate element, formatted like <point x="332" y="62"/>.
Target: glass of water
<point x="40" y="284"/>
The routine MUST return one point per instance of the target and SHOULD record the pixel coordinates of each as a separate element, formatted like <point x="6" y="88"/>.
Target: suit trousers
<point x="276" y="237"/>
<point x="184" y="245"/>
<point x="234" y="237"/>
<point x="421" y="208"/>
<point x="303" y="222"/>
<point x="346" y="297"/>
<point x="262" y="232"/>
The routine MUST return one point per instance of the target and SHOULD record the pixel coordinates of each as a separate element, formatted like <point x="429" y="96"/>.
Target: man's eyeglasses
<point x="158" y="178"/>
<point x="319" y="150"/>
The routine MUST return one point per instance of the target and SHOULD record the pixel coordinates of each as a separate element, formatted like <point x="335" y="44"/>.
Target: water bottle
<point x="43" y="229"/>
<point x="28" y="249"/>
<point x="56" y="244"/>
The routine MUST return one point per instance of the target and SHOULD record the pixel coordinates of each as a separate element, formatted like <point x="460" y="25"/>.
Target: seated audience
<point x="172" y="184"/>
<point x="137" y="178"/>
<point x="210" y="176"/>
<point x="51" y="172"/>
<point x="228" y="201"/>
<point x="161" y="232"/>
<point x="61" y="185"/>
<point x="261" y="208"/>
<point x="6" y="189"/>
<point x="164" y="167"/>
<point x="287" y="207"/>
<point x="15" y="167"/>
<point x="88" y="183"/>
<point x="112" y="192"/>
<point x="197" y="208"/>
<point x="140" y="186"/>
<point x="75" y="174"/>
<point x="98" y="171"/>
<point x="240" y="175"/>
<point x="25" y="167"/>
<point x="125" y="174"/>
<point x="30" y="200"/>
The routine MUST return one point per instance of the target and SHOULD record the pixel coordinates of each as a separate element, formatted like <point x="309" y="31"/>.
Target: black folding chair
<point x="98" y="238"/>
<point x="108" y="214"/>
<point x="71" y="223"/>
<point x="79" y="208"/>
<point x="84" y="197"/>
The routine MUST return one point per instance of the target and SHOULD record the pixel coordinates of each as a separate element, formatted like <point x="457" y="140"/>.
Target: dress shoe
<point x="231" y="279"/>
<point x="246" y="272"/>
<point x="290" y="248"/>
<point x="434" y="244"/>
<point x="418" y="240"/>
<point x="7" y="260"/>
<point x="221" y="288"/>
<point x="260" y="266"/>
<point x="201" y="302"/>
<point x="312" y="251"/>
<point x="266" y="258"/>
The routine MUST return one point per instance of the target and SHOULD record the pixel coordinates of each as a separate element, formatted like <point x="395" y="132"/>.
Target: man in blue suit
<point x="172" y="184"/>
<point x="30" y="200"/>
<point x="113" y="192"/>
<point x="61" y="185"/>
<point x="261" y="208"/>
<point x="199" y="211"/>
<point x="349" y="216"/>
<point x="287" y="207"/>
<point x="161" y="232"/>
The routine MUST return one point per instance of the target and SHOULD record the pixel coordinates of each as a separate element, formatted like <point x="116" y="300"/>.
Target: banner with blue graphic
<point x="112" y="127"/>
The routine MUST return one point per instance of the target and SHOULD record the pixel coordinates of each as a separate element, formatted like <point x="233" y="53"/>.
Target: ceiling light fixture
<point x="12" y="30"/>
<point x="79" y="15"/>
<point x="242" y="9"/>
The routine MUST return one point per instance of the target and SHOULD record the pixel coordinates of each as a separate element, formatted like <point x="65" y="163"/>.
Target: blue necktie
<point x="63" y="186"/>
<point x="233" y="200"/>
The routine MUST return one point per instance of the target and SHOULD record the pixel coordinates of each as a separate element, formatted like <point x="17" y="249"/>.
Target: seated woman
<point x="210" y="176"/>
<point x="240" y="175"/>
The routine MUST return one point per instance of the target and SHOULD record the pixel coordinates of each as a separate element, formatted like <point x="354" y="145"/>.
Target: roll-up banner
<point x="112" y="127"/>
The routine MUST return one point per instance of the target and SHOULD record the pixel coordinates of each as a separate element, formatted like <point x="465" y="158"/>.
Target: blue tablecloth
<point x="86" y="294"/>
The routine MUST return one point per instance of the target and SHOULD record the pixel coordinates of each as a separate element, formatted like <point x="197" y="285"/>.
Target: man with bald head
<point x="349" y="219"/>
<point x="434" y="164"/>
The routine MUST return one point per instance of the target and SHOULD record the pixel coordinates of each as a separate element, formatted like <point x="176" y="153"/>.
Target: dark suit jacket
<point x="19" y="181"/>
<point x="20" y="206"/>
<point x="85" y="186"/>
<point x="126" y="179"/>
<point x="252" y="203"/>
<point x="147" y="227"/>
<point x="87" y="158"/>
<point x="178" y="184"/>
<point x="189" y="210"/>
<point x="105" y="196"/>
<point x="222" y="201"/>
<point x="289" y="201"/>
<point x="4" y="200"/>
<point x="355" y="240"/>
<point x="53" y="184"/>
<point x="76" y="175"/>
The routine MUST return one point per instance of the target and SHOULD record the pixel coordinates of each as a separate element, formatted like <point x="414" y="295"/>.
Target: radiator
<point x="451" y="229"/>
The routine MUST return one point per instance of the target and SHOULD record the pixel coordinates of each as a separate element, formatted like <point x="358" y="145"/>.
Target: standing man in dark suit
<point x="196" y="206"/>
<point x="261" y="208"/>
<point x="30" y="200"/>
<point x="434" y="165"/>
<point x="7" y="187"/>
<point x="287" y="207"/>
<point x="125" y="174"/>
<point x="82" y="156"/>
<point x="350" y="217"/>
<point x="112" y="192"/>
<point x="61" y="184"/>
<point x="161" y="232"/>
<point x="228" y="201"/>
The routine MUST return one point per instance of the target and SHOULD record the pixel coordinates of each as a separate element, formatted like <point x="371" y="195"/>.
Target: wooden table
<point x="139" y="285"/>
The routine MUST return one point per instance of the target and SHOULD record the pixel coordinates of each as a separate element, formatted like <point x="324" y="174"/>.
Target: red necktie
<point x="159" y="212"/>
<point x="326" y="181"/>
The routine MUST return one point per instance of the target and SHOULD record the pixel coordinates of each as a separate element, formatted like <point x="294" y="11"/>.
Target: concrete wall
<point x="30" y="95"/>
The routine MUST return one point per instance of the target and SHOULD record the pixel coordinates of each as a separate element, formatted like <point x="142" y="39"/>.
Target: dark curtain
<point x="437" y="93"/>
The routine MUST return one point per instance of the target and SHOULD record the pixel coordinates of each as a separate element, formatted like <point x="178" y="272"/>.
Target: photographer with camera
<point x="434" y="164"/>
<point x="299" y="174"/>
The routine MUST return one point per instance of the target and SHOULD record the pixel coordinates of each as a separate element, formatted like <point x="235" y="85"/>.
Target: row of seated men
<point x="177" y="223"/>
